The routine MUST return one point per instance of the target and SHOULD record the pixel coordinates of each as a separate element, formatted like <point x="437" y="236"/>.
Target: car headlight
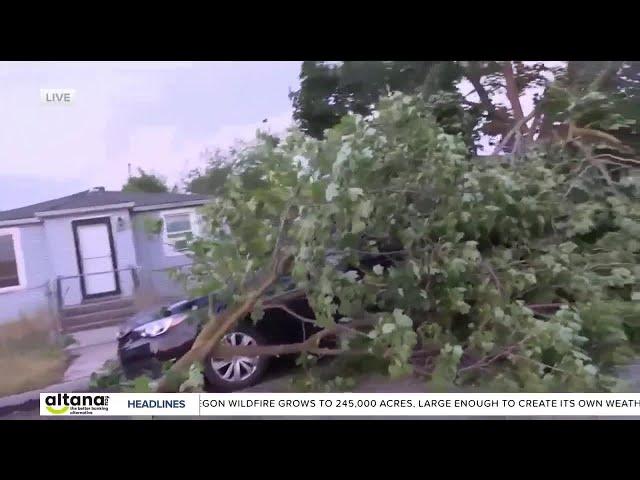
<point x="158" y="327"/>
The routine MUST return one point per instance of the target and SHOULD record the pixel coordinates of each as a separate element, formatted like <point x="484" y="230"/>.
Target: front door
<point x="96" y="257"/>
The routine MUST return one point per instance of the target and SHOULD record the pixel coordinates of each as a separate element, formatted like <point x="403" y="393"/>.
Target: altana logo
<point x="75" y="403"/>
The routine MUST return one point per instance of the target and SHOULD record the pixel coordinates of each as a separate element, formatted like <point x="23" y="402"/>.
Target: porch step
<point x="97" y="315"/>
<point x="97" y="306"/>
<point x="91" y="326"/>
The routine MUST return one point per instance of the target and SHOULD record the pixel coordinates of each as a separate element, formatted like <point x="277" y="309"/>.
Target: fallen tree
<point x="519" y="272"/>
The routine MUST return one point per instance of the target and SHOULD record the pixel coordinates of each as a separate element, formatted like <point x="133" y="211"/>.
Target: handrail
<point x="98" y="273"/>
<point x="60" y="300"/>
<point x="59" y="297"/>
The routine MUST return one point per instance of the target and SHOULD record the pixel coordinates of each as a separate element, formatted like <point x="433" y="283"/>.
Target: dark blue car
<point x="148" y="339"/>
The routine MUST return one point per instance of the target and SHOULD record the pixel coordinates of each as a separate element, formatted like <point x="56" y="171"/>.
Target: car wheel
<point x="239" y="372"/>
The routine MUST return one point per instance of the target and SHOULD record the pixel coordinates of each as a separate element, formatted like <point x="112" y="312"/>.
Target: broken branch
<point x="512" y="132"/>
<point x="311" y="345"/>
<point x="284" y="308"/>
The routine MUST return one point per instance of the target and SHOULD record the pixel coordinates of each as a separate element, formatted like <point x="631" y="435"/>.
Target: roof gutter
<point x="71" y="211"/>
<point x="19" y="221"/>
<point x="167" y="206"/>
<point x="115" y="206"/>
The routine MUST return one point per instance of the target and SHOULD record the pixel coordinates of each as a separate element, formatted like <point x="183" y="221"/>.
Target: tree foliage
<point x="489" y="110"/>
<point x="510" y="273"/>
<point x="328" y="91"/>
<point x="220" y="164"/>
<point x="514" y="272"/>
<point x="145" y="182"/>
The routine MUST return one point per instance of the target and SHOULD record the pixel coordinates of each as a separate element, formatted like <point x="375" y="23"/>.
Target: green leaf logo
<point x="58" y="411"/>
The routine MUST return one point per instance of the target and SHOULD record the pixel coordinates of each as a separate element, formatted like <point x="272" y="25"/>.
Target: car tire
<point x="239" y="373"/>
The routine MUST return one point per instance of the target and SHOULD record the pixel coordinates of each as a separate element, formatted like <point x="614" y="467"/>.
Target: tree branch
<point x="537" y="121"/>
<point x="543" y="306"/>
<point x="284" y="296"/>
<point x="311" y="345"/>
<point x="283" y="223"/>
<point x="493" y="275"/>
<point x="474" y="76"/>
<point x="627" y="162"/>
<point x="512" y="132"/>
<point x="211" y="334"/>
<point x="209" y="337"/>
<point x="486" y="361"/>
<point x="544" y="365"/>
<point x="513" y="94"/>
<point x="604" y="76"/>
<point x="284" y="308"/>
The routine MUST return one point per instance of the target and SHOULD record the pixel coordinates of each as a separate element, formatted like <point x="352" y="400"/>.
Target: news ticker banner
<point x="338" y="404"/>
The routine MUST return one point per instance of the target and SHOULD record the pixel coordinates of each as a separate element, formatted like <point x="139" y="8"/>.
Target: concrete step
<point x="97" y="319"/>
<point x="91" y="326"/>
<point x="97" y="306"/>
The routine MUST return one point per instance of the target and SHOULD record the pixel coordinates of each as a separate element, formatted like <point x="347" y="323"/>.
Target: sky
<point x="159" y="116"/>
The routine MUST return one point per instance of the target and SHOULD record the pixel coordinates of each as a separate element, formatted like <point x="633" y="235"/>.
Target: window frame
<point x="168" y="248"/>
<point x="14" y="233"/>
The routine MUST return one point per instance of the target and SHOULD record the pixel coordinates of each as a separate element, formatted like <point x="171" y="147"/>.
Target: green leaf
<point x="401" y="319"/>
<point x="388" y="328"/>
<point x="567" y="247"/>
<point x="195" y="380"/>
<point x="457" y="265"/>
<point x="354" y="193"/>
<point x="591" y="369"/>
<point x="416" y="269"/>
<point x="488" y="346"/>
<point x="331" y="192"/>
<point x="357" y="226"/>
<point x="141" y="384"/>
<point x="257" y="313"/>
<point x="457" y="351"/>
<point x="462" y="307"/>
<point x="365" y="208"/>
<point x="351" y="276"/>
<point x="470" y="252"/>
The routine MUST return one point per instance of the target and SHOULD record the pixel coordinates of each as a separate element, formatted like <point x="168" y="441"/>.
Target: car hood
<point x="140" y="318"/>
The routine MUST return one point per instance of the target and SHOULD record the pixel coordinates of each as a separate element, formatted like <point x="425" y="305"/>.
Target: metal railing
<point x="61" y="293"/>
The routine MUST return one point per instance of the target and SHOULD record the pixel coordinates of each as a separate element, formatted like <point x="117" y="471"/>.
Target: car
<point x="150" y="338"/>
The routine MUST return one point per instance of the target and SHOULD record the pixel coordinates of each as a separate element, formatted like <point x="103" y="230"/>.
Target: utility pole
<point x="129" y="170"/>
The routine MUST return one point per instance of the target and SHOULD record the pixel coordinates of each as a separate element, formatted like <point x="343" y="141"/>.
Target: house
<point x="84" y="256"/>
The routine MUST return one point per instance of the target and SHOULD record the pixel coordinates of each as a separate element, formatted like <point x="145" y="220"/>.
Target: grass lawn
<point x="28" y="359"/>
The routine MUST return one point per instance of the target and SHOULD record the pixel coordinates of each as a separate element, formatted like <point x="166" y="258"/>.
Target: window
<point x="11" y="276"/>
<point x="178" y="231"/>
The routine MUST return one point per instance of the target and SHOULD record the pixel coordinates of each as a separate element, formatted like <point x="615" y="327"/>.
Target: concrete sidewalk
<point x="91" y="350"/>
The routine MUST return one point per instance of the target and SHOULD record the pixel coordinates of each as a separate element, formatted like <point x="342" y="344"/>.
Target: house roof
<point x="98" y="198"/>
